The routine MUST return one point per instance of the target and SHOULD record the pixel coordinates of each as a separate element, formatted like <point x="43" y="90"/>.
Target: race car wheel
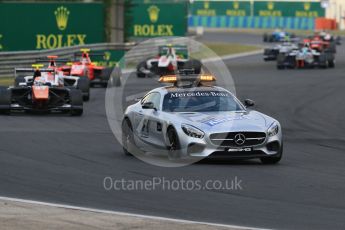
<point x="76" y="100"/>
<point x="193" y="64"/>
<point x="273" y="159"/>
<point x="323" y="63"/>
<point x="127" y="136"/>
<point x="280" y="61"/>
<point x="116" y="77"/>
<point x="19" y="79"/>
<point x="5" y="100"/>
<point x="338" y="40"/>
<point x="173" y="144"/>
<point x="106" y="74"/>
<point x="84" y="85"/>
<point x="140" y="68"/>
<point x="265" y="38"/>
<point x="331" y="63"/>
<point x="333" y="47"/>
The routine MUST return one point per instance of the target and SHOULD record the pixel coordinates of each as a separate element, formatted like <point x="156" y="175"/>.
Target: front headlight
<point x="192" y="131"/>
<point x="273" y="130"/>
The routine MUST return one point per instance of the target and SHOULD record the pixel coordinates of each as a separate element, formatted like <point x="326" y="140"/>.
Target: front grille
<point x="234" y="155"/>
<point x="231" y="139"/>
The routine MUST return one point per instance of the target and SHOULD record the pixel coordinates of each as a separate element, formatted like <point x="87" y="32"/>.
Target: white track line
<point x="233" y="56"/>
<point x="124" y="213"/>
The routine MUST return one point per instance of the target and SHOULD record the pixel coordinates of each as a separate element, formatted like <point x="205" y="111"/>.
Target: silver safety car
<point x="192" y="118"/>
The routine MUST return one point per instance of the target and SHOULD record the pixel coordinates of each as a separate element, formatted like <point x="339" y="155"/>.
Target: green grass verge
<point x="219" y="49"/>
<point x="222" y="49"/>
<point x="6" y="81"/>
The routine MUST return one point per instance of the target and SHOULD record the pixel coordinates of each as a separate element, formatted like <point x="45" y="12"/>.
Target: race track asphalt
<point x="64" y="159"/>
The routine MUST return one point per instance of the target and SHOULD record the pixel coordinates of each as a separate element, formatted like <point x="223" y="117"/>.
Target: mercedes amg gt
<point x="193" y="118"/>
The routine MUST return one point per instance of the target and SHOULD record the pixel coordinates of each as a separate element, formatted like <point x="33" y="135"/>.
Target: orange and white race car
<point x="82" y="83"/>
<point x="42" y="91"/>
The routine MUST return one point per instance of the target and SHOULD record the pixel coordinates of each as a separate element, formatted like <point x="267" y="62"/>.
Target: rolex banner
<point x="157" y="18"/>
<point x="288" y="9"/>
<point x="36" y="26"/>
<point x="218" y="8"/>
<point x="257" y="8"/>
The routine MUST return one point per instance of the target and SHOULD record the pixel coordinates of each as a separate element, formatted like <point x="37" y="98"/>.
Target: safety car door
<point x="150" y="126"/>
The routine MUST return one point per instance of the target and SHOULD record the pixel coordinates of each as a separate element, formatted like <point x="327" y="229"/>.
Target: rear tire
<point x="19" y="79"/>
<point x="193" y="64"/>
<point x="331" y="63"/>
<point x="142" y="65"/>
<point x="280" y="61"/>
<point x="5" y="100"/>
<point x="105" y="76"/>
<point x="323" y="63"/>
<point x="76" y="100"/>
<point x="84" y="85"/>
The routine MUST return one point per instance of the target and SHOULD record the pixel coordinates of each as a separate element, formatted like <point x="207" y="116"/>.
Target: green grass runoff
<point x="222" y="49"/>
<point x="219" y="49"/>
<point x="6" y="81"/>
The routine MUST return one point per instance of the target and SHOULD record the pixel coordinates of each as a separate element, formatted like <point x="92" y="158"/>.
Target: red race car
<point x="320" y="45"/>
<point x="98" y="75"/>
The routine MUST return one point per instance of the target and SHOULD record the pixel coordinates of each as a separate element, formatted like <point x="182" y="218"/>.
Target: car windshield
<point x="200" y="101"/>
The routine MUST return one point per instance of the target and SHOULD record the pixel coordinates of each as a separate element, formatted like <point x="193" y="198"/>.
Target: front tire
<point x="127" y="136"/>
<point x="173" y="144"/>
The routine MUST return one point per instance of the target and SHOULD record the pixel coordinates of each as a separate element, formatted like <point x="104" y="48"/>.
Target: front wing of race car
<point x="60" y="100"/>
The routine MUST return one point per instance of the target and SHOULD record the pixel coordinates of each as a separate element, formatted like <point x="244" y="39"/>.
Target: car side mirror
<point x="148" y="105"/>
<point x="249" y="103"/>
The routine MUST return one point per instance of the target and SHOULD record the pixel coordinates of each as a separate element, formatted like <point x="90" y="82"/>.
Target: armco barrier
<point x="294" y="23"/>
<point x="10" y="60"/>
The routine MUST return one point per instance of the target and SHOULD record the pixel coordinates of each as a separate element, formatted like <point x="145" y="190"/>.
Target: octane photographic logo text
<point x="164" y="184"/>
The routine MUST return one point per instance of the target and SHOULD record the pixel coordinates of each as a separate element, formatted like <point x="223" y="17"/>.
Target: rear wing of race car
<point x="90" y="54"/>
<point x="52" y="58"/>
<point x="181" y="50"/>
<point x="31" y="70"/>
